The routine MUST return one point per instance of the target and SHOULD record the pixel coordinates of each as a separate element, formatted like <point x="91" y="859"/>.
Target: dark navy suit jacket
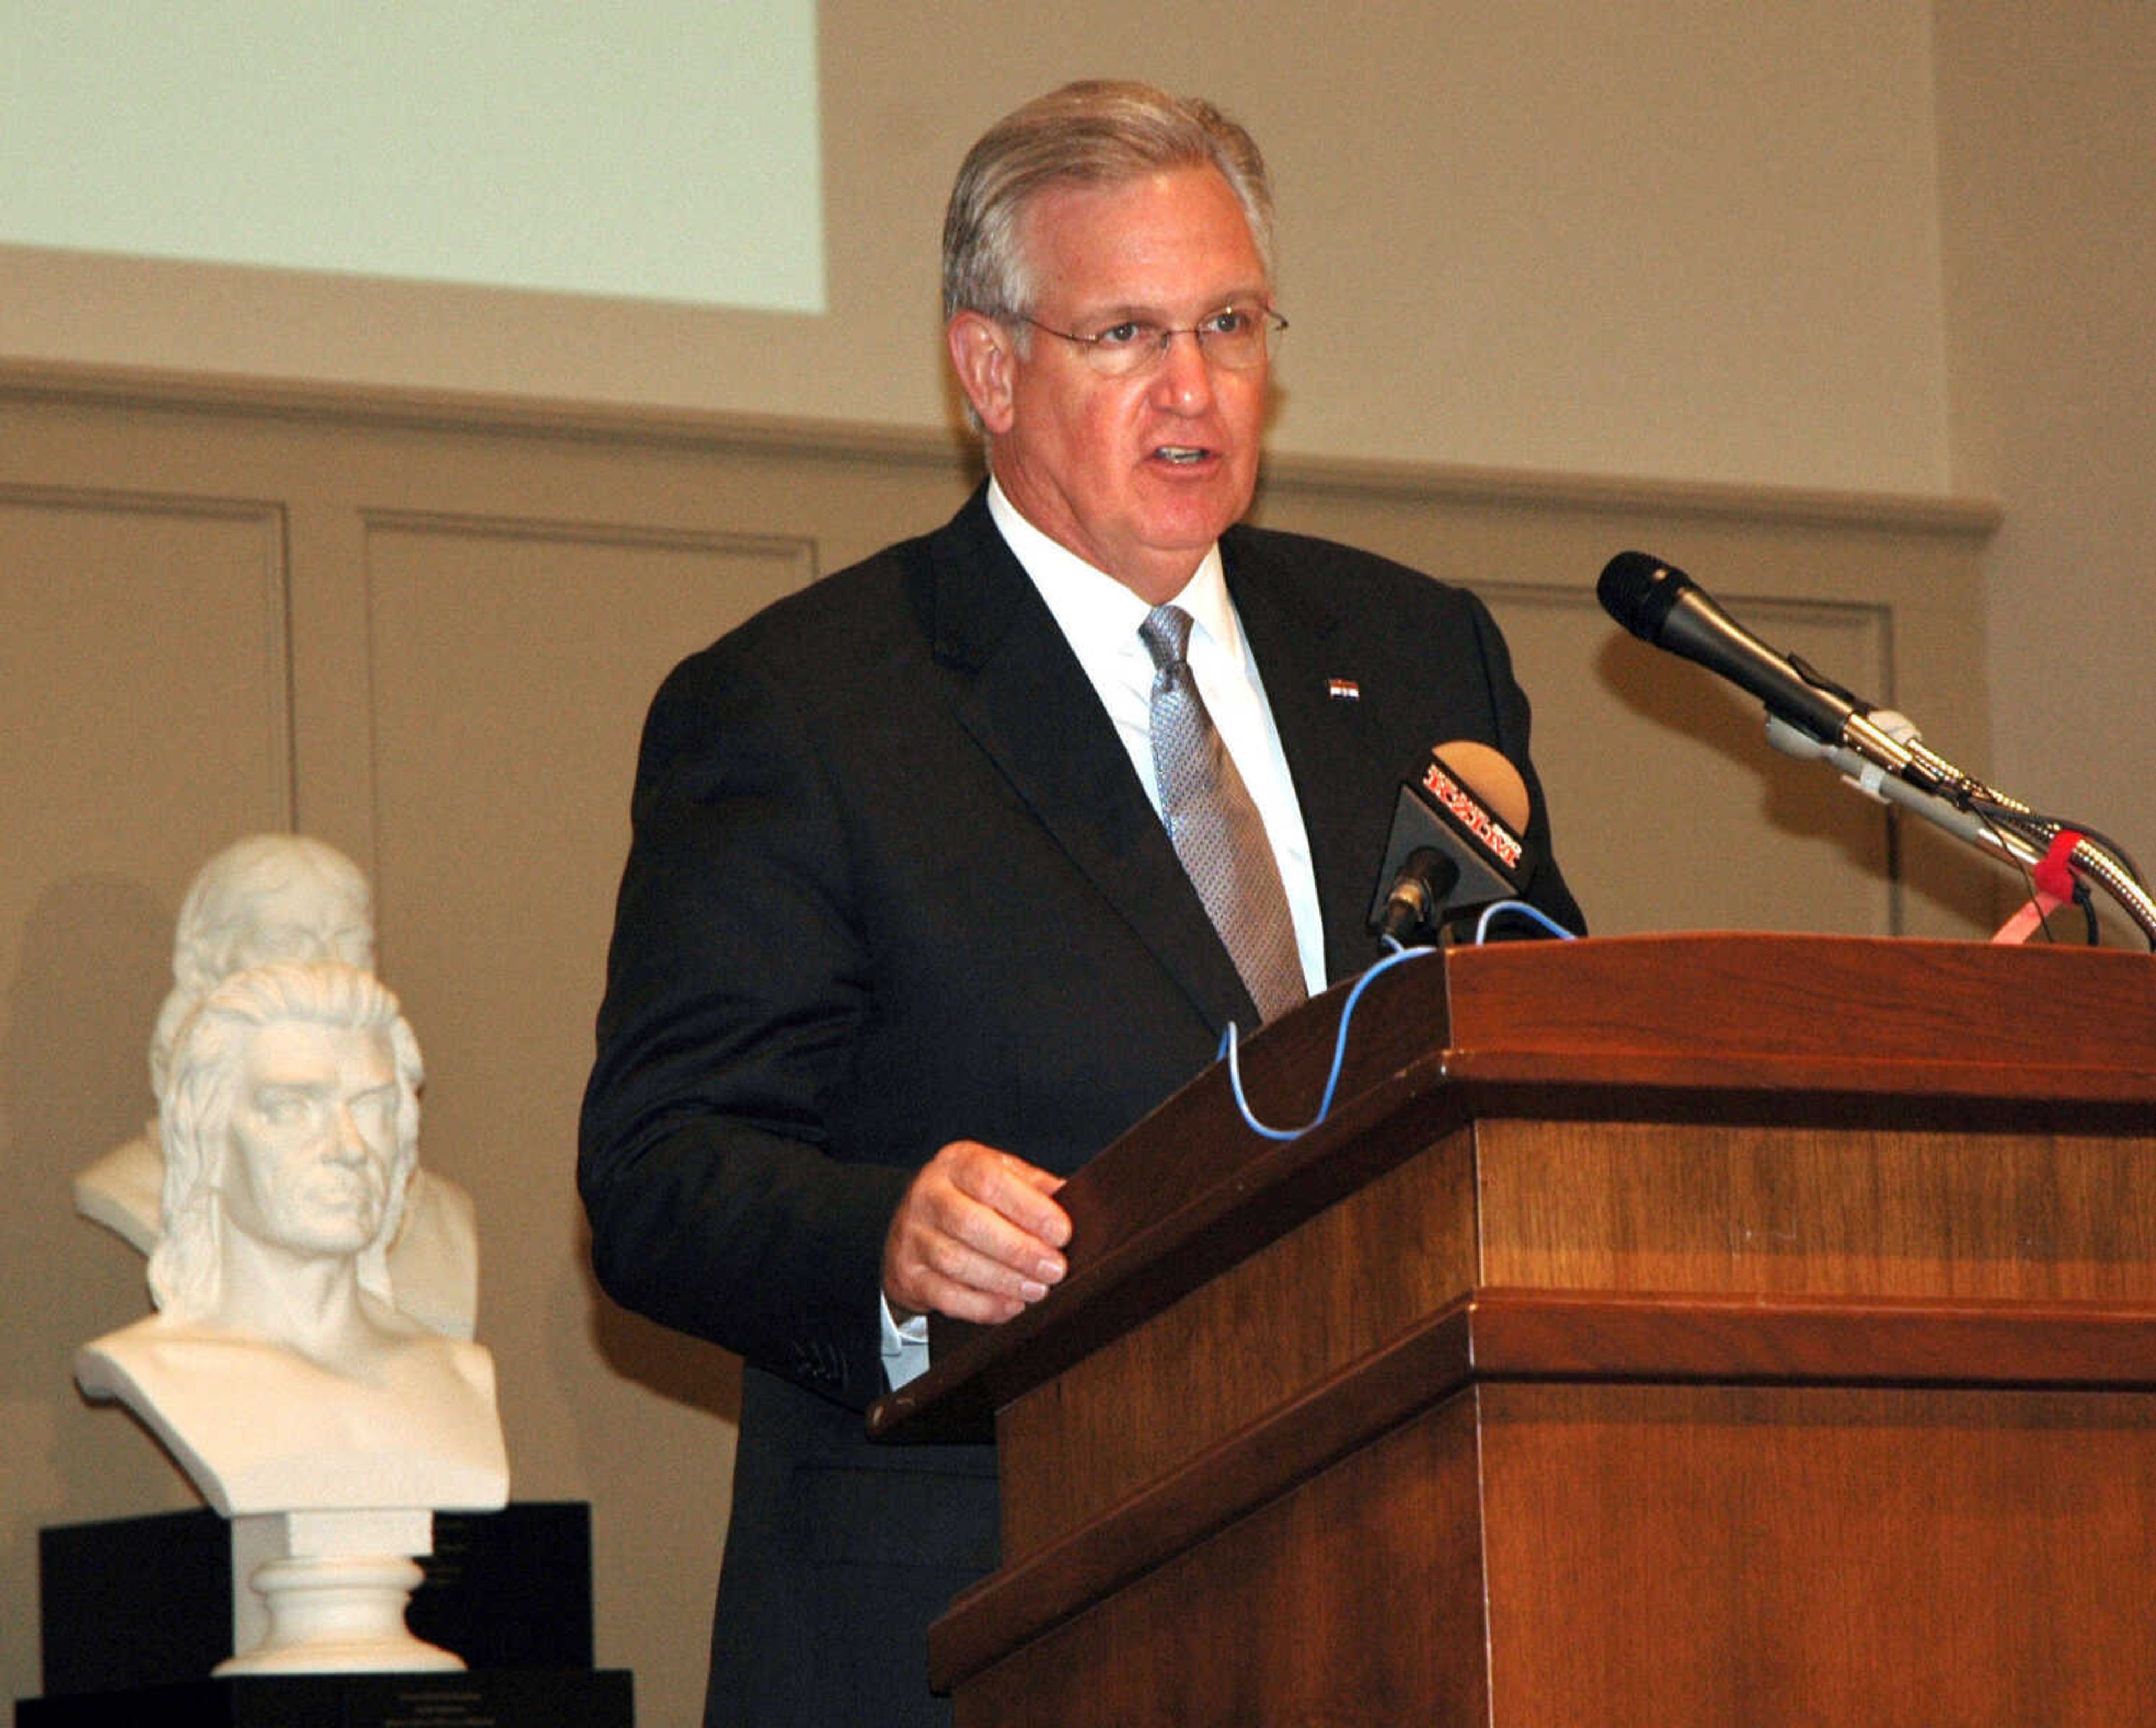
<point x="894" y="883"/>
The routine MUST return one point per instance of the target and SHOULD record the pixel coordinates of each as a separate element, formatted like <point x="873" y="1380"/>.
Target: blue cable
<point x="1231" y="1044"/>
<point x="1231" y="1047"/>
<point x="1490" y="913"/>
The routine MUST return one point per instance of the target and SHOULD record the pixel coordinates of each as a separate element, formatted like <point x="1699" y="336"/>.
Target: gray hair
<point x="1092" y="133"/>
<point x="186" y="1268"/>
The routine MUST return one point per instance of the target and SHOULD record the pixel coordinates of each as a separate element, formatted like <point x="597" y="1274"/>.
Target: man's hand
<point x="976" y="1237"/>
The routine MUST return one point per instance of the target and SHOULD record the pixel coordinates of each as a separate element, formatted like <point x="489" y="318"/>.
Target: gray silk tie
<point x="1214" y="825"/>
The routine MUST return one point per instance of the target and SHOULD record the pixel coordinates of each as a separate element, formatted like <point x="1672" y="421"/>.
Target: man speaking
<point x="949" y="868"/>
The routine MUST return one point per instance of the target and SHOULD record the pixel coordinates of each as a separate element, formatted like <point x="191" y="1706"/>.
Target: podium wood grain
<point x="1674" y="1330"/>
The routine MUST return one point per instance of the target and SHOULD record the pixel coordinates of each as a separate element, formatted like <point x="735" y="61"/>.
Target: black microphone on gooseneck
<point x="1659" y="603"/>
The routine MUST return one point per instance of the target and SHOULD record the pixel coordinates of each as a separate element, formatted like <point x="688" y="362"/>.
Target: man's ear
<point x="982" y="353"/>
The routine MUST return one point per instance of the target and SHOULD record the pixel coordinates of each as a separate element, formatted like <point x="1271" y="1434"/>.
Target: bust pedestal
<point x="137" y="1611"/>
<point x="324" y="1592"/>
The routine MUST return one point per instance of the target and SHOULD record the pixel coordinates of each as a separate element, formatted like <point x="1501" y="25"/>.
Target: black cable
<point x="1986" y="808"/>
<point x="1982" y="810"/>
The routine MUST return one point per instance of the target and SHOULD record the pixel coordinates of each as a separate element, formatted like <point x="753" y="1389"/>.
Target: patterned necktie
<point x="1215" y="827"/>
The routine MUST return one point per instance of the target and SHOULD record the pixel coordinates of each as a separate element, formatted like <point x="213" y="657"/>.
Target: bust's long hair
<point x="201" y="1088"/>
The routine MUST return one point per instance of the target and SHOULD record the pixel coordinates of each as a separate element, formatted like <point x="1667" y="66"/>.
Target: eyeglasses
<point x="1239" y="338"/>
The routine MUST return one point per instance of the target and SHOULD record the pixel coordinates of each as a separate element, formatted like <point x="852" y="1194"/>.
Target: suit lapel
<point x="1345" y="791"/>
<point x="1026" y="701"/>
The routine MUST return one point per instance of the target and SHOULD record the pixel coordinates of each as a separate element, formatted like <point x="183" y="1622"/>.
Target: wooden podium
<point x="1715" y="1329"/>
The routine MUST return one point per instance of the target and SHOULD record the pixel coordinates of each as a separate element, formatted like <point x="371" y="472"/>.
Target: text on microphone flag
<point x="1470" y="815"/>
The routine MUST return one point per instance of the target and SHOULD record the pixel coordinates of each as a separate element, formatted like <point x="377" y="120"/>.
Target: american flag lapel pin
<point x="1344" y="690"/>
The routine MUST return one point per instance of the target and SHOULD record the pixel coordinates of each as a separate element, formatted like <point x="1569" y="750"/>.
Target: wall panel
<point x="144" y="721"/>
<point x="511" y="661"/>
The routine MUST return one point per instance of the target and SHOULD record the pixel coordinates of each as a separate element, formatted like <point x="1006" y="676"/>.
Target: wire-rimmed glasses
<point x="1238" y="336"/>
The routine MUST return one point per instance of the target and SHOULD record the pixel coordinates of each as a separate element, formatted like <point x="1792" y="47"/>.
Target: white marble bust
<point x="275" y="1369"/>
<point x="265" y="898"/>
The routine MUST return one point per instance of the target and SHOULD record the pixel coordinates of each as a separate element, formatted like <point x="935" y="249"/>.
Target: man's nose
<point x="1183" y="380"/>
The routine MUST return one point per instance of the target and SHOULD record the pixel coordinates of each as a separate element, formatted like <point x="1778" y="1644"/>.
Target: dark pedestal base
<point x="524" y="1698"/>
<point x="137" y="1603"/>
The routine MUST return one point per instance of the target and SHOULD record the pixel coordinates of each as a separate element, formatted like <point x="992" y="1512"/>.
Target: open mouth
<point x="1181" y="455"/>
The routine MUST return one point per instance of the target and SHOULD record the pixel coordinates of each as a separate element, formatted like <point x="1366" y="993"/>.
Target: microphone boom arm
<point x="2013" y="833"/>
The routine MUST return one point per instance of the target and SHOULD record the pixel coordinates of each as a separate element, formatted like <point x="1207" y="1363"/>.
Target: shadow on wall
<point x="96" y="963"/>
<point x="1690" y="703"/>
<point x="1805" y="800"/>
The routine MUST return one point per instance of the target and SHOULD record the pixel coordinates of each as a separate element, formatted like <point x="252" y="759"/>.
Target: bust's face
<point x="312" y="1140"/>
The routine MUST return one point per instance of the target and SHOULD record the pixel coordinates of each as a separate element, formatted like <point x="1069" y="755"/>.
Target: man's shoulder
<point x="1349" y="580"/>
<point x="868" y="611"/>
<point x="839" y="628"/>
<point x="834" y="610"/>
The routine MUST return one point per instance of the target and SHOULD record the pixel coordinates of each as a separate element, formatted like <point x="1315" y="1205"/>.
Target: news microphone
<point x="1457" y="842"/>
<point x="1660" y="604"/>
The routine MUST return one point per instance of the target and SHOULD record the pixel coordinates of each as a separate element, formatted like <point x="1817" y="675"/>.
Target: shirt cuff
<point x="905" y="1347"/>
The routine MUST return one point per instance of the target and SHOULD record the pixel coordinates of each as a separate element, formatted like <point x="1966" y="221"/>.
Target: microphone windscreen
<point x="1638" y="591"/>
<point x="1490" y="775"/>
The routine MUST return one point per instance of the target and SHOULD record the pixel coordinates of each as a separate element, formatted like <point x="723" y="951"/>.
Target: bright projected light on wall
<point x="662" y="149"/>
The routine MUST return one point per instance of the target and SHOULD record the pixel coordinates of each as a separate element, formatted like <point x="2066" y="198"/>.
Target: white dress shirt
<point x="1100" y="618"/>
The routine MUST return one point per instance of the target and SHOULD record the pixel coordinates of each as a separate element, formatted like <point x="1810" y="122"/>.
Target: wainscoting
<point x="425" y="629"/>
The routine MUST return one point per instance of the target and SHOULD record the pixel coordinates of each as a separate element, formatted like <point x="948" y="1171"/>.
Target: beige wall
<point x="2049" y="194"/>
<point x="1687" y="240"/>
<point x="1696" y="246"/>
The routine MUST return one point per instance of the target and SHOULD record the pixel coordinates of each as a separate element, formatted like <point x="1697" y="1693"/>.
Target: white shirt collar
<point x="1097" y="614"/>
